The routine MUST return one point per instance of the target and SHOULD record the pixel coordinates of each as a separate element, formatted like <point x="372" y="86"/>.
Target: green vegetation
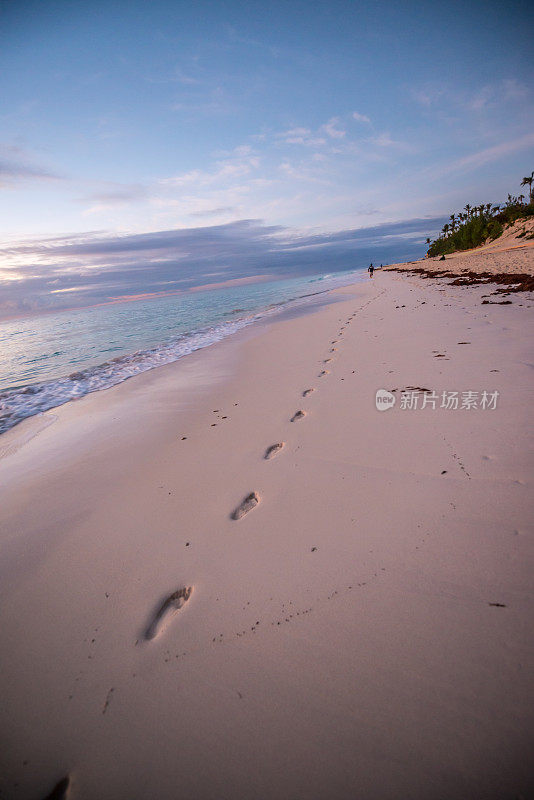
<point x="476" y="224"/>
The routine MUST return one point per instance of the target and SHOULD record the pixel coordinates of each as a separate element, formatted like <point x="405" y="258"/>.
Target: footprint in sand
<point x="324" y="372"/>
<point x="273" y="450"/>
<point x="298" y="415"/>
<point x="169" y="607"/>
<point x="250" y="502"/>
<point x="60" y="790"/>
<point x="327" y="360"/>
<point x="306" y="392"/>
<point x="333" y="349"/>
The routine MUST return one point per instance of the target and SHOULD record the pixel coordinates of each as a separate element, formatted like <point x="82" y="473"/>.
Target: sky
<point x="146" y="147"/>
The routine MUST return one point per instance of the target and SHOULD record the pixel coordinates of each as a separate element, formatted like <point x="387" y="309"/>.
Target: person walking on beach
<point x="370" y="269"/>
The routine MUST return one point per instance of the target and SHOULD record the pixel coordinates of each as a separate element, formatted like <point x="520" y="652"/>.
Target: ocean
<point x="49" y="359"/>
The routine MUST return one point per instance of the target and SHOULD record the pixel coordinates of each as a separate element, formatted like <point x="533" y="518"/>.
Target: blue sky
<point x="337" y="120"/>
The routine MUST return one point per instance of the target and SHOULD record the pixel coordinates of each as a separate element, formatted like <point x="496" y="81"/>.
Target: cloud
<point x="301" y="136"/>
<point x="487" y="156"/>
<point x="117" y="194"/>
<point x="302" y="173"/>
<point x="482" y="99"/>
<point x="333" y="131"/>
<point x="513" y="90"/>
<point x="88" y="269"/>
<point x="457" y="98"/>
<point x="213" y="212"/>
<point x="295" y="132"/>
<point x="509" y="90"/>
<point x="384" y="140"/>
<point x="12" y="170"/>
<point x="360" y="117"/>
<point x="373" y="235"/>
<point x="241" y="151"/>
<point x="427" y="95"/>
<point x="177" y="75"/>
<point x="226" y="170"/>
<point x="16" y="166"/>
<point x="181" y="77"/>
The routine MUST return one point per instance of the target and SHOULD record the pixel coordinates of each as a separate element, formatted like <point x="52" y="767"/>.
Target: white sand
<point x="339" y="640"/>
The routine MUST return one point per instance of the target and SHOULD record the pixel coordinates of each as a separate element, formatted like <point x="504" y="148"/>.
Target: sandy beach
<point x="360" y="628"/>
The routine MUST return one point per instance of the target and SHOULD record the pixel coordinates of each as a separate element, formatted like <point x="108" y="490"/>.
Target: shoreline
<point x="361" y="631"/>
<point x="195" y="376"/>
<point x="26" y="400"/>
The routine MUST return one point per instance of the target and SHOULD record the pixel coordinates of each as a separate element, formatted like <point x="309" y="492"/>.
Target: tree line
<point x="474" y="225"/>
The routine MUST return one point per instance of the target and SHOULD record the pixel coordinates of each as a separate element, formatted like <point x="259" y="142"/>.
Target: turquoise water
<point x="50" y="359"/>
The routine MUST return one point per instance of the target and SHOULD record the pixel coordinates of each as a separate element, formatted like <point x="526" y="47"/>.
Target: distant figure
<point x="370" y="269"/>
<point x="380" y="266"/>
<point x="442" y="258"/>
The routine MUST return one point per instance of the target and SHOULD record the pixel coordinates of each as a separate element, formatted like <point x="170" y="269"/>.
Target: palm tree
<point x="427" y="240"/>
<point x="528" y="182"/>
<point x="453" y="221"/>
<point x="521" y="198"/>
<point x="467" y="209"/>
<point x="488" y="208"/>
